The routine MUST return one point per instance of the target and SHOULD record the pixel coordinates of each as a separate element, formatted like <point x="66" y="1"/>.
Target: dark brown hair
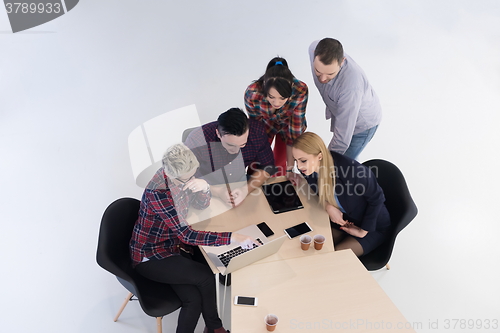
<point x="328" y="50"/>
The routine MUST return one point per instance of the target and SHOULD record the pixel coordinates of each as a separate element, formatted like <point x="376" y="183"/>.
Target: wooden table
<point x="255" y="209"/>
<point x="308" y="290"/>
<point x="328" y="291"/>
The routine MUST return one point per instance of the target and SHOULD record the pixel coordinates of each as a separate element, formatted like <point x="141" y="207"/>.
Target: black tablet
<point x="282" y="197"/>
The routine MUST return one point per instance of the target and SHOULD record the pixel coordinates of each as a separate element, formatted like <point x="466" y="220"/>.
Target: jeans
<point x="193" y="282"/>
<point x="359" y="142"/>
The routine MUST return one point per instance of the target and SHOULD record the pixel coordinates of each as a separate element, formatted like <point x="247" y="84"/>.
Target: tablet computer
<point x="282" y="197"/>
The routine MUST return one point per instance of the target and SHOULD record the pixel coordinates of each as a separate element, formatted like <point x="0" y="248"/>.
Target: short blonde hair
<point x="179" y="160"/>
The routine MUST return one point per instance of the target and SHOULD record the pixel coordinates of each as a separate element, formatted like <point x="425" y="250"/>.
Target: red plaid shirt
<point x="161" y="227"/>
<point x="289" y="121"/>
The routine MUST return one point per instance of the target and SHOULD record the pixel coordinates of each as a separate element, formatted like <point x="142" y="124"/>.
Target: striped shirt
<point x="161" y="228"/>
<point x="289" y="121"/>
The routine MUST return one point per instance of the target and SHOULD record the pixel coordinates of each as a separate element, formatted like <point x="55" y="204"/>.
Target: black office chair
<point x="156" y="299"/>
<point x="400" y="205"/>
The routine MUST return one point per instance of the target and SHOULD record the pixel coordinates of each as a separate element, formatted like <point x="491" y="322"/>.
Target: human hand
<point x="238" y="195"/>
<point x="246" y="242"/>
<point x="220" y="191"/>
<point x="335" y="214"/>
<point x="196" y="185"/>
<point x="293" y="177"/>
<point x="230" y="197"/>
<point x="353" y="230"/>
<point x="226" y="197"/>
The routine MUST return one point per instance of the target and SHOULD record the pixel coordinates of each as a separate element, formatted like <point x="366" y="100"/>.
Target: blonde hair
<point x="179" y="160"/>
<point x="311" y="143"/>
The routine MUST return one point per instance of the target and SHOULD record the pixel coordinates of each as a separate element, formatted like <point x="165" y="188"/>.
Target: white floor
<point x="73" y="89"/>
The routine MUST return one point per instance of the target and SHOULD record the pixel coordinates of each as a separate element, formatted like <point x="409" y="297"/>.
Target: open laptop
<point x="230" y="258"/>
<point x="282" y="197"/>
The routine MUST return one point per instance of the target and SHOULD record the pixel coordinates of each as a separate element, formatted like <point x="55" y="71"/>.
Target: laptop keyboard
<point x="226" y="257"/>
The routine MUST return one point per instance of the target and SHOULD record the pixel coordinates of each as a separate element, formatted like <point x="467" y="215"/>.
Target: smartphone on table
<point x="297" y="230"/>
<point x="265" y="229"/>
<point x="245" y="300"/>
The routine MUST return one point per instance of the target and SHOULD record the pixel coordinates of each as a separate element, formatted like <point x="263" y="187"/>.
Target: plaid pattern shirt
<point x="289" y="121"/>
<point x="161" y="228"/>
<point x="213" y="157"/>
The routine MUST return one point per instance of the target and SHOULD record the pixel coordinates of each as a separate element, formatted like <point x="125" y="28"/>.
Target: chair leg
<point x="387" y="266"/>
<point x="129" y="296"/>
<point x="158" y="324"/>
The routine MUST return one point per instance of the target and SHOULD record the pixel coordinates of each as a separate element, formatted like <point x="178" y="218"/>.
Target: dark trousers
<point x="194" y="283"/>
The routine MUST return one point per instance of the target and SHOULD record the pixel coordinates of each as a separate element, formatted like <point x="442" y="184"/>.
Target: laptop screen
<point x="282" y="197"/>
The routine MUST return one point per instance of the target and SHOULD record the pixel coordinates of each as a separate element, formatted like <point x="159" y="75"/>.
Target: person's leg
<point x="191" y="307"/>
<point x="178" y="270"/>
<point x="338" y="236"/>
<point x="350" y="242"/>
<point x="198" y="256"/>
<point x="279" y="152"/>
<point x="359" y="142"/>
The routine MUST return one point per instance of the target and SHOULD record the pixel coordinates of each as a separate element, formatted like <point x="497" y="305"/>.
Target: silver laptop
<point x="230" y="258"/>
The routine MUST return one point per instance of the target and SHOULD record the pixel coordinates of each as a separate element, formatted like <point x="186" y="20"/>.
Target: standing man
<point x="351" y="103"/>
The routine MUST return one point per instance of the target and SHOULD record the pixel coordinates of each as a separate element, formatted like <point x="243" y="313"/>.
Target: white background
<point x="73" y="89"/>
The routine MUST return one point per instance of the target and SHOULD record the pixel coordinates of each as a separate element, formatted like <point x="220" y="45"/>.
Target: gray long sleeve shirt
<point x="351" y="103"/>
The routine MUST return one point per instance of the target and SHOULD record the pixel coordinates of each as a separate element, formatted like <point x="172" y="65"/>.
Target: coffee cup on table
<point x="319" y="240"/>
<point x="305" y="242"/>
<point x="271" y="320"/>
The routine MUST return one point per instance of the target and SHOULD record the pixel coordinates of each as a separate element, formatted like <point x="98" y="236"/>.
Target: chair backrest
<point x="114" y="236"/>
<point x="186" y="133"/>
<point x="156" y="299"/>
<point x="399" y="203"/>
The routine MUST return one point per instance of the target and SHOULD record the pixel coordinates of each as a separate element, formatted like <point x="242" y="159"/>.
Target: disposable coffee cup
<point x="305" y="242"/>
<point x="318" y="242"/>
<point x="271" y="320"/>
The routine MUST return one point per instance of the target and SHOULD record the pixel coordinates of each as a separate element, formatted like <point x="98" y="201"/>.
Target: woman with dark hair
<point x="279" y="100"/>
<point x="349" y="193"/>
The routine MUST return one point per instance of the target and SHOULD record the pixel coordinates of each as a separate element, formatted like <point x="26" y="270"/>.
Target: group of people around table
<point x="236" y="149"/>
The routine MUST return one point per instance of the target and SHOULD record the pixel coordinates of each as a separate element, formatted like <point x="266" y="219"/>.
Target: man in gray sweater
<point x="351" y="103"/>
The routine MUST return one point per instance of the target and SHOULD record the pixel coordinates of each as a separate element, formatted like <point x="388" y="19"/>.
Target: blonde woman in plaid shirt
<point x="164" y="247"/>
<point x="279" y="100"/>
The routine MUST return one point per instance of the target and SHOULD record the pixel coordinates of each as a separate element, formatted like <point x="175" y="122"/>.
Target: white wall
<point x="73" y="89"/>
